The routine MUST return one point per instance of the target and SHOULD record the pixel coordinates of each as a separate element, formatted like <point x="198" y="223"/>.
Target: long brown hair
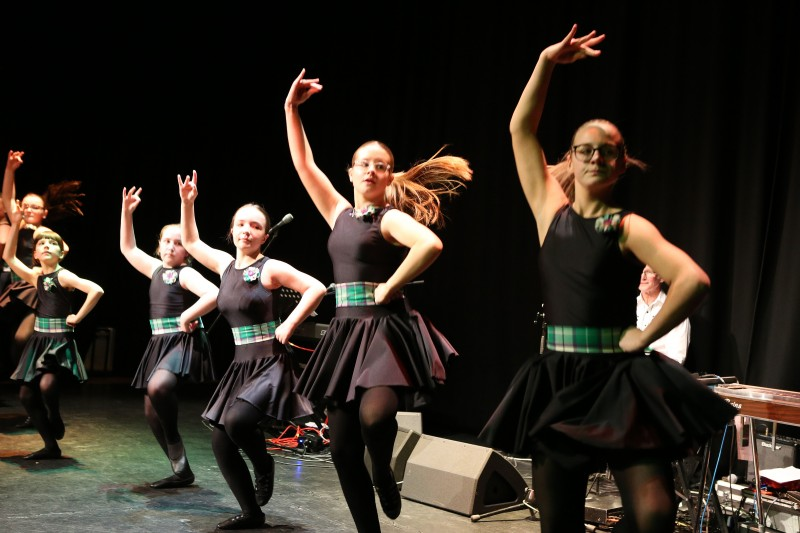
<point x="418" y="190"/>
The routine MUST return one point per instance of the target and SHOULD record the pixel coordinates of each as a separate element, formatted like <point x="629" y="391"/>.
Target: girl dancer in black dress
<point x="260" y="379"/>
<point x="379" y="355"/>
<point x="594" y="398"/>
<point x="50" y="354"/>
<point x="178" y="349"/>
<point x="18" y="298"/>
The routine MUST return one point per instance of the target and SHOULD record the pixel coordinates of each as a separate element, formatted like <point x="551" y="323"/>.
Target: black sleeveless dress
<point x="262" y="373"/>
<point x="15" y="289"/>
<point x="187" y="355"/>
<point x="373" y="345"/>
<point x="585" y="408"/>
<point x="52" y="346"/>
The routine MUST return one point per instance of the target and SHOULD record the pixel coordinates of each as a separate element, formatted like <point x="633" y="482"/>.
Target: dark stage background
<point x="708" y="96"/>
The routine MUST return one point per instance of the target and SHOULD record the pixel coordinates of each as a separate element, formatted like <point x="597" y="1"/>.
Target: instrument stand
<point x="707" y="505"/>
<point x="596" y="479"/>
<point x="529" y="502"/>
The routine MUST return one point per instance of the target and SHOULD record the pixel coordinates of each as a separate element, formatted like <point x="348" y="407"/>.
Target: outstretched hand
<point x="131" y="199"/>
<point x="188" y="188"/>
<point x="302" y="89"/>
<point x="14" y="160"/>
<point x="572" y="48"/>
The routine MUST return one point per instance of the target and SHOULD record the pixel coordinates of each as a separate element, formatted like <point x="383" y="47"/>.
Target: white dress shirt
<point x="676" y="342"/>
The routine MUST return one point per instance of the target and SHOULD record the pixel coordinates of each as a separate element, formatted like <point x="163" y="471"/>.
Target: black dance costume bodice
<point x="167" y="297"/>
<point x="359" y="252"/>
<point x="54" y="300"/>
<point x="586" y="279"/>
<point x="245" y="303"/>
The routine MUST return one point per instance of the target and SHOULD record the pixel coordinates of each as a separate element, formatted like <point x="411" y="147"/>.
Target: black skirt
<point x="585" y="409"/>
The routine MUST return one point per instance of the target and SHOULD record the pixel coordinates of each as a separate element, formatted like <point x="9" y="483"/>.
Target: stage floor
<point x="101" y="483"/>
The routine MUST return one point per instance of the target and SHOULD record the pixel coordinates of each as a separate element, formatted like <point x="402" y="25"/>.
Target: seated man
<point x="651" y="297"/>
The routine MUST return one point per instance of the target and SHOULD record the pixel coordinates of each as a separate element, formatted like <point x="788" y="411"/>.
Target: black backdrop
<point x="708" y="96"/>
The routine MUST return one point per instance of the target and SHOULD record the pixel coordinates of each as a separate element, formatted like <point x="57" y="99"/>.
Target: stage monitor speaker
<point x="404" y="443"/>
<point x="460" y="477"/>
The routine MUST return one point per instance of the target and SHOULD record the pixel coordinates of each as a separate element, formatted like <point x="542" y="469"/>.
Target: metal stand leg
<point x="528" y="503"/>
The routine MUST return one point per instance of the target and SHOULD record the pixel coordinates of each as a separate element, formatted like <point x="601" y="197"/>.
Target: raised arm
<point x="213" y="259"/>
<point x="10" y="251"/>
<point x="324" y="195"/>
<point x="543" y="193"/>
<point x="141" y="261"/>
<point x="9" y="186"/>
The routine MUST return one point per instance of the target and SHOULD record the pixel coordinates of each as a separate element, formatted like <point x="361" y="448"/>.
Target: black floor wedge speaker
<point x="460" y="477"/>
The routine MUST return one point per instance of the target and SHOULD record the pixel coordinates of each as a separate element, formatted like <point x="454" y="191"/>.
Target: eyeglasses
<point x="379" y="166"/>
<point x="585" y="152"/>
<point x="648" y="273"/>
<point x="32" y="207"/>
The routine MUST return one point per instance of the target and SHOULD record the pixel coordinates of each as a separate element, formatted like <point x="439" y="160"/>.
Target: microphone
<point x="285" y="220"/>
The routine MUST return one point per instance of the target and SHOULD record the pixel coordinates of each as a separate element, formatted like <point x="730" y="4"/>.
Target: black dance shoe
<point x="44" y="453"/>
<point x="389" y="495"/>
<point x="174" y="481"/>
<point x="243" y="521"/>
<point x="265" y="483"/>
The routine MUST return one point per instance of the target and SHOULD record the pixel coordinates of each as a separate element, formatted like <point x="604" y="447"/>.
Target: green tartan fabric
<point x="579" y="339"/>
<point x="355" y="294"/>
<point x="52" y="325"/>
<point x="254" y="333"/>
<point x="161" y="326"/>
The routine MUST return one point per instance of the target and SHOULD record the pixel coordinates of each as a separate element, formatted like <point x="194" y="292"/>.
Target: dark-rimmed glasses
<point x="585" y="152"/>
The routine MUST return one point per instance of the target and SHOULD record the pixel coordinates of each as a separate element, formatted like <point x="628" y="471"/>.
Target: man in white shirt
<point x="651" y="297"/>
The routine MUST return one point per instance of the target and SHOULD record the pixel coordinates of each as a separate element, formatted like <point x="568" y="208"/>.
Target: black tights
<point x="239" y="430"/>
<point x="41" y="399"/>
<point x="646" y="488"/>
<point x="161" y="408"/>
<point x="370" y="422"/>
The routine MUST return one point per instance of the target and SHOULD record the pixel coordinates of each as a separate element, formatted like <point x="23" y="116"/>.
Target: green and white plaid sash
<point x="584" y="339"/>
<point x="254" y="333"/>
<point x="52" y="325"/>
<point x="161" y="326"/>
<point x="355" y="294"/>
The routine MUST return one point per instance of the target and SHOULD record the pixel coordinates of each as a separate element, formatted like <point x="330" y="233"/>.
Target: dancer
<point x="6" y="364"/>
<point x="5" y="228"/>
<point x="50" y="354"/>
<point x="178" y="350"/>
<point x="258" y="384"/>
<point x="379" y="355"/>
<point x="18" y="300"/>
<point x="594" y="398"/>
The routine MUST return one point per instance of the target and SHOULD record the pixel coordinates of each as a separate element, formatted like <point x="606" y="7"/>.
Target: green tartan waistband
<point x="162" y="326"/>
<point x="356" y="293"/>
<point x="254" y="333"/>
<point x="581" y="339"/>
<point x="52" y="325"/>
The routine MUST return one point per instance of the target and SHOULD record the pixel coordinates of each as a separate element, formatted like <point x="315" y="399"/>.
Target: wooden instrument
<point x="775" y="405"/>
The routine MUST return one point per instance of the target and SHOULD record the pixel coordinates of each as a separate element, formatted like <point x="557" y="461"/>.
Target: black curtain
<point x="706" y="95"/>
